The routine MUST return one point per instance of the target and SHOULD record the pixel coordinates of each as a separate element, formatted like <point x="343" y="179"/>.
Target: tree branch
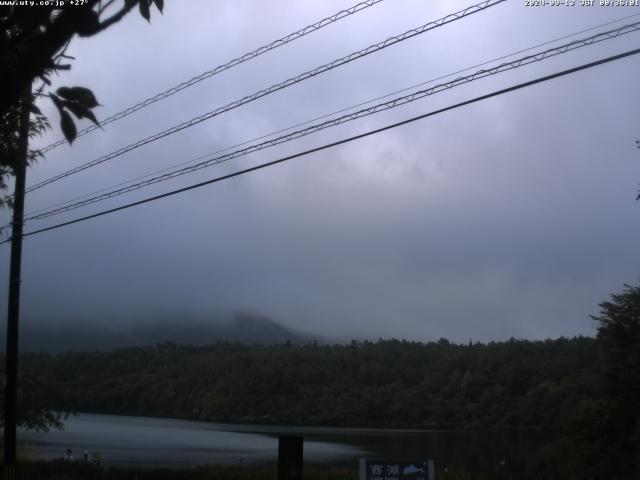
<point x="105" y="6"/>
<point x="36" y="55"/>
<point x="116" y="17"/>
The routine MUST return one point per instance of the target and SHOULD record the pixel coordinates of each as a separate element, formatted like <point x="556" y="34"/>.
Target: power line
<point x="276" y="87"/>
<point x="340" y="142"/>
<point x="221" y="68"/>
<point x="536" y="57"/>
<point x="327" y="115"/>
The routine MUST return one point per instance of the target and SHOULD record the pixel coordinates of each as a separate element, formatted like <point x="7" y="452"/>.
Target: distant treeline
<point x="62" y="334"/>
<point x="388" y="383"/>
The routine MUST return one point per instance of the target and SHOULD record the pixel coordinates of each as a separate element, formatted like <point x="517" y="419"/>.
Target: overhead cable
<point x="327" y="115"/>
<point x="221" y="68"/>
<point x="339" y="142"/>
<point x="274" y="88"/>
<point x="396" y="102"/>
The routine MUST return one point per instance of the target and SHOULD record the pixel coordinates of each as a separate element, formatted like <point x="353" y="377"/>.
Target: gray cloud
<point x="512" y="217"/>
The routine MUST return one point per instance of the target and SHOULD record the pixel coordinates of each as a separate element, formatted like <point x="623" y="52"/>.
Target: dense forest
<point x="584" y="391"/>
<point x="384" y="384"/>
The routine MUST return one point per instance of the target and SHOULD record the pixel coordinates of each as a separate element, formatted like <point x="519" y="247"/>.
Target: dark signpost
<point x="373" y="469"/>
<point x="290" y="458"/>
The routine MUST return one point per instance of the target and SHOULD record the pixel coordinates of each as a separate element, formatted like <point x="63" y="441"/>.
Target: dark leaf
<point x="144" y="10"/>
<point x="159" y="4"/>
<point x="78" y="110"/>
<point x="33" y="155"/>
<point x="81" y="111"/>
<point x="88" y="23"/>
<point x="83" y="96"/>
<point x="35" y="109"/>
<point x="68" y="127"/>
<point x="89" y="114"/>
<point x="57" y="102"/>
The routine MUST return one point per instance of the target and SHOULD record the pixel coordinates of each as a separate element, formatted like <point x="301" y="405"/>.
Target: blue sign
<point x="371" y="469"/>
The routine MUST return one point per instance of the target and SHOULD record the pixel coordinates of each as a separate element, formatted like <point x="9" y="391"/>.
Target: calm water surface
<point x="147" y="442"/>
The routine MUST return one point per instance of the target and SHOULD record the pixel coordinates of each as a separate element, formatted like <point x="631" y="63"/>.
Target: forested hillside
<point x="384" y="384"/>
<point x="53" y="334"/>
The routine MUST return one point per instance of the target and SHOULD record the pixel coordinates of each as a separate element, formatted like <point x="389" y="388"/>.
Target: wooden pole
<point x="13" y="313"/>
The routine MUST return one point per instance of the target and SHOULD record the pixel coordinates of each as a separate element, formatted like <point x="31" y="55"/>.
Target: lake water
<point x="159" y="442"/>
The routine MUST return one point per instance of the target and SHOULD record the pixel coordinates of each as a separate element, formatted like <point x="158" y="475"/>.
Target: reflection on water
<point x="140" y="441"/>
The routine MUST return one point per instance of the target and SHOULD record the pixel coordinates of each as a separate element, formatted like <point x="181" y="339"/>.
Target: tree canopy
<point x="33" y="45"/>
<point x="384" y="384"/>
<point x="615" y="429"/>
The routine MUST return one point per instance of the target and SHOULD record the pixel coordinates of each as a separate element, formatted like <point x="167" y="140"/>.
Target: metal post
<point x="13" y="313"/>
<point x="290" y="458"/>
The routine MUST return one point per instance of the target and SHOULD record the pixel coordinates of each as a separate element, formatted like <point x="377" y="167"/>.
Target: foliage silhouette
<point x="33" y="44"/>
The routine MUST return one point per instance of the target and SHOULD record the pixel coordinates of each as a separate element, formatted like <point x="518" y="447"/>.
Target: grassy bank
<point x="58" y="470"/>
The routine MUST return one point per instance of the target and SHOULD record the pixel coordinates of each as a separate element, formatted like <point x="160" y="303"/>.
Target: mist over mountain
<point x="76" y="334"/>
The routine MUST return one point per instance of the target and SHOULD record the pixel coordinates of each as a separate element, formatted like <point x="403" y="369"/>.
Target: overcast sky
<point x="510" y="217"/>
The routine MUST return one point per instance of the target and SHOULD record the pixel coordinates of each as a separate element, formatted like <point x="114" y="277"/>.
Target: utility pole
<point x="13" y="314"/>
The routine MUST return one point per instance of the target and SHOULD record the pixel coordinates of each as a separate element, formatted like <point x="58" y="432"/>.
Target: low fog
<point x="513" y="217"/>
